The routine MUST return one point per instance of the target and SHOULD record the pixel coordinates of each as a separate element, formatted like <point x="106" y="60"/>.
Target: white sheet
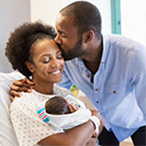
<point x="7" y="134"/>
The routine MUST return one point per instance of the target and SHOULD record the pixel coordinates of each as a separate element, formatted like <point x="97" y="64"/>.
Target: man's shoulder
<point x="121" y="39"/>
<point x="74" y="64"/>
<point x="123" y="44"/>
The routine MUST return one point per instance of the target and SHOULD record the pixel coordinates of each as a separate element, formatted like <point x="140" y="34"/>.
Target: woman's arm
<point x="77" y="136"/>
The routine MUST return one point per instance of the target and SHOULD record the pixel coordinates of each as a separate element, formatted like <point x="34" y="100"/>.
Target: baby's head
<point x="57" y="105"/>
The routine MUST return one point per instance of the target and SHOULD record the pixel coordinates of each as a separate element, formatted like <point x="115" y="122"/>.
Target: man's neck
<point x="95" y="59"/>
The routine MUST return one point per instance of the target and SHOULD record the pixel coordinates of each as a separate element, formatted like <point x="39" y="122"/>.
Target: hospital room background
<point x="126" y="17"/>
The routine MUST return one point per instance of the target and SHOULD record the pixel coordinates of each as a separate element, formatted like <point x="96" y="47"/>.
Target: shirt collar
<point x="79" y="61"/>
<point x="105" y="40"/>
<point x="105" y="49"/>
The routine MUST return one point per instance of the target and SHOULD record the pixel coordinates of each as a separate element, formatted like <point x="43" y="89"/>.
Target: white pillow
<point x="7" y="134"/>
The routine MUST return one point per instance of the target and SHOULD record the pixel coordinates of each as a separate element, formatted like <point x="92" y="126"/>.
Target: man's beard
<point x="77" y="51"/>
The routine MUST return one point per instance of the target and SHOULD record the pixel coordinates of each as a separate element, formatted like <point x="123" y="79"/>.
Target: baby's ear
<point x="30" y="66"/>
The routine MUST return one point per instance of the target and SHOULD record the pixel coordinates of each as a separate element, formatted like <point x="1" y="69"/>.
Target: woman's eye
<point x="59" y="57"/>
<point x="46" y="61"/>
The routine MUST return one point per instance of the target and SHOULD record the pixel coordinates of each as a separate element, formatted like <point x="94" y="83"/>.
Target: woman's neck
<point x="44" y="88"/>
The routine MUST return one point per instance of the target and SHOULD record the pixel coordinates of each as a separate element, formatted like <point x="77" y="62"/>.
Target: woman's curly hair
<point x="18" y="48"/>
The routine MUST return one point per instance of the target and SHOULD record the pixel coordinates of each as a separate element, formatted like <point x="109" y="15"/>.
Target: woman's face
<point x="48" y="62"/>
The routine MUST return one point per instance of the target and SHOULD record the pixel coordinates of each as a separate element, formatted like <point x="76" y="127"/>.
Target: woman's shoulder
<point x="26" y="100"/>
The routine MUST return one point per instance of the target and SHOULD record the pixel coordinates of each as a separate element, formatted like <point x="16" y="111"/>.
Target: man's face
<point x="67" y="38"/>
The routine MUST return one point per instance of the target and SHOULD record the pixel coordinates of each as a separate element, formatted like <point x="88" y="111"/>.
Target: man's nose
<point x="57" y="40"/>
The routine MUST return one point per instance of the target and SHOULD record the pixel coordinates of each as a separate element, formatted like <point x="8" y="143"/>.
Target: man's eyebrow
<point x="61" y="32"/>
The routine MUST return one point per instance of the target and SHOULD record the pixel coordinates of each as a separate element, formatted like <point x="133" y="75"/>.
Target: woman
<point x="32" y="51"/>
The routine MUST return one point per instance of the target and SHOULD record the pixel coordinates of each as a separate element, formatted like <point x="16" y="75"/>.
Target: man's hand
<point x="98" y="115"/>
<point x="24" y="85"/>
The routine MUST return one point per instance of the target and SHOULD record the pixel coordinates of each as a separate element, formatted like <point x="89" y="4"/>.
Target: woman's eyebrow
<point x="45" y="55"/>
<point x="58" y="52"/>
<point x="50" y="54"/>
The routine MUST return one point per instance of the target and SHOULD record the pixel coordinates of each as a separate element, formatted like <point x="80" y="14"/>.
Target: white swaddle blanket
<point x="66" y="121"/>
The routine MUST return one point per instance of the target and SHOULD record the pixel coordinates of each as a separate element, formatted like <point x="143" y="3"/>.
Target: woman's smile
<point x="57" y="72"/>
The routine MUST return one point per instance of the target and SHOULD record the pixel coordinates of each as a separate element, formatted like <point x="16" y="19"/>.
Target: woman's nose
<point x="55" y="63"/>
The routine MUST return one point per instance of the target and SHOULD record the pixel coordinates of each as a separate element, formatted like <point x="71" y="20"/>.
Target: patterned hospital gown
<point x="29" y="127"/>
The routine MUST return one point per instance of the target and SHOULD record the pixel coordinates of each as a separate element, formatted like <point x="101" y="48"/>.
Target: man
<point x="110" y="70"/>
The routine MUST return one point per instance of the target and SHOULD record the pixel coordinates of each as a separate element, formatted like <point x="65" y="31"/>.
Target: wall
<point x="133" y="19"/>
<point x="12" y="14"/>
<point x="15" y="12"/>
<point x="47" y="11"/>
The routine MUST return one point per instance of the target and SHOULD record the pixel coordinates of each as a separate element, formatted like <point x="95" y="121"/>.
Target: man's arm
<point x="24" y="85"/>
<point x="138" y="78"/>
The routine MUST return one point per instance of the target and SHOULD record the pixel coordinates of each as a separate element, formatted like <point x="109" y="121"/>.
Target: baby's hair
<point x="57" y="105"/>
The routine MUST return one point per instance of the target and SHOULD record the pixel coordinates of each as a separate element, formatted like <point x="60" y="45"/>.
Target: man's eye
<point x="63" y="36"/>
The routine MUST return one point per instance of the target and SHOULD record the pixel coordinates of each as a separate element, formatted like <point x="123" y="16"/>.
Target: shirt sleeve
<point x="29" y="128"/>
<point x="138" y="74"/>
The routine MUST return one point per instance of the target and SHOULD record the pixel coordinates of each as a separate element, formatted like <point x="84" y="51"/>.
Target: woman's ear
<point x="87" y="37"/>
<point x="30" y="66"/>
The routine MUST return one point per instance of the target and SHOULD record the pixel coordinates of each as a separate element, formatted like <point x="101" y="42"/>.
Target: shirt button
<point x="97" y="101"/>
<point x="96" y="89"/>
<point x="88" y="75"/>
<point x="114" y="92"/>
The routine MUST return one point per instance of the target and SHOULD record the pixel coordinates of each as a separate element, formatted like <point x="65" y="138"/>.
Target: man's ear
<point x="30" y="66"/>
<point x="87" y="37"/>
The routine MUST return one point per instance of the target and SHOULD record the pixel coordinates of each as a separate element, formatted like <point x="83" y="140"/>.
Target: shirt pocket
<point x="113" y="96"/>
<point x="114" y="90"/>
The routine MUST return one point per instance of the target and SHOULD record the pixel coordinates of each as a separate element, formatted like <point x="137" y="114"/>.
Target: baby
<point x="65" y="112"/>
<point x="58" y="105"/>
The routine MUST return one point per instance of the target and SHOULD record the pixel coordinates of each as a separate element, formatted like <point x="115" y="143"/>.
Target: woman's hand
<point x="18" y="86"/>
